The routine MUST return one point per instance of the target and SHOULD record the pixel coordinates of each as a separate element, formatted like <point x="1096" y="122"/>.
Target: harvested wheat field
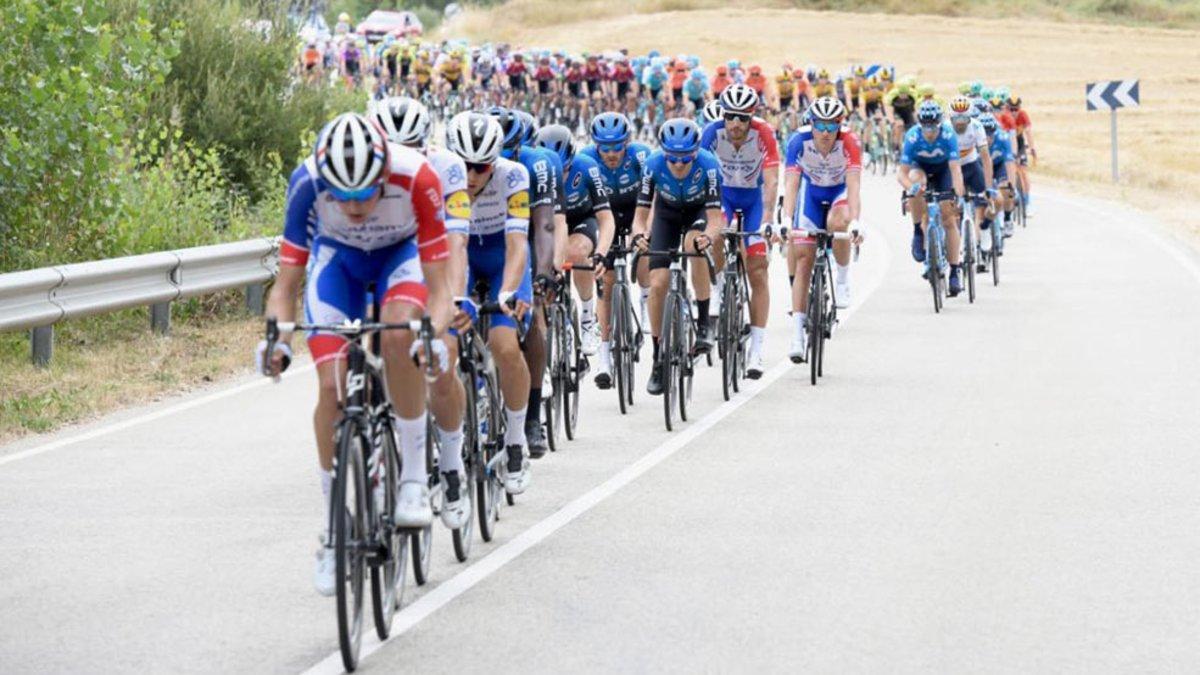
<point x="1046" y="62"/>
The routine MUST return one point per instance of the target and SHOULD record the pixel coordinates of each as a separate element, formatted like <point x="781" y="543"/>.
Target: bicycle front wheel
<point x="727" y="340"/>
<point x="816" y="322"/>
<point x="572" y="374"/>
<point x="617" y="331"/>
<point x="461" y="537"/>
<point x="350" y="526"/>
<point x="969" y="258"/>
<point x="935" y="266"/>
<point x="666" y="358"/>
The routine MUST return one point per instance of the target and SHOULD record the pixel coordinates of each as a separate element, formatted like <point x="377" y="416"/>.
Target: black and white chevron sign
<point x="1112" y="94"/>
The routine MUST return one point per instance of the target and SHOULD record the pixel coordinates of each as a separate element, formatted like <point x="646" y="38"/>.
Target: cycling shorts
<point x="622" y="89"/>
<point x="543" y="87"/>
<point x="339" y="277"/>
<point x="750" y="202"/>
<point x="785" y="102"/>
<point x="813" y="205"/>
<point x="485" y="262"/>
<point x="575" y="90"/>
<point x="593" y="86"/>
<point x="588" y="227"/>
<point x="873" y="108"/>
<point x="999" y="171"/>
<point x="516" y="83"/>
<point x="937" y="176"/>
<point x="670" y="226"/>
<point x="973" y="177"/>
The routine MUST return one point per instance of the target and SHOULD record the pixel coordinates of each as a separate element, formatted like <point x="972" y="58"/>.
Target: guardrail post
<point x="160" y="317"/>
<point x="256" y="299"/>
<point x="42" y="343"/>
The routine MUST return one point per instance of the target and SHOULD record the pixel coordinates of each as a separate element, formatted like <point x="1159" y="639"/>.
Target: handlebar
<point x="679" y="255"/>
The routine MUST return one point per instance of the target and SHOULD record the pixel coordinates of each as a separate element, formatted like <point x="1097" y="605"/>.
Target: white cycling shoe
<point x="842" y="295"/>
<point x="455" y="513"/>
<point x="604" y="378"/>
<point x="517" y="480"/>
<point x="412" y="505"/>
<point x="590" y="340"/>
<point x="799" y="351"/>
<point x="985" y="240"/>
<point x="754" y="364"/>
<point x="645" y="317"/>
<point x="325" y="575"/>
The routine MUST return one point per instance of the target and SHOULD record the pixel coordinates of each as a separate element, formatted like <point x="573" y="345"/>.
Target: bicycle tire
<point x="725" y="342"/>
<point x="683" y="352"/>
<point x="935" y="265"/>
<point x="572" y="375"/>
<point x="348" y="531"/>
<point x="997" y="248"/>
<point x="816" y="329"/>
<point x="487" y="482"/>
<point x="666" y="352"/>
<point x="461" y="537"/>
<point x="550" y="404"/>
<point x="387" y="579"/>
<point x="617" y="331"/>
<point x="969" y="248"/>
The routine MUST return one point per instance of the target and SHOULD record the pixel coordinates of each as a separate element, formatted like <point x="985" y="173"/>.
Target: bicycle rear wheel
<point x="726" y="336"/>
<point x="387" y="578"/>
<point x="350" y="527"/>
<point x="997" y="248"/>
<point x="550" y="405"/>
<point x="969" y="248"/>
<point x="572" y="374"/>
<point x="935" y="266"/>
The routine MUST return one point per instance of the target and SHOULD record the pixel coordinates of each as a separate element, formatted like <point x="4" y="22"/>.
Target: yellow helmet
<point x="344" y="17"/>
<point x="860" y="71"/>
<point x="873" y="81"/>
<point x="823" y="74"/>
<point x="886" y="75"/>
<point x="925" y="90"/>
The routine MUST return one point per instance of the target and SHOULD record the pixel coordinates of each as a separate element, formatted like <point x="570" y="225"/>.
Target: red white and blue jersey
<point x="411" y="206"/>
<point x="823" y="170"/>
<point x="742" y="166"/>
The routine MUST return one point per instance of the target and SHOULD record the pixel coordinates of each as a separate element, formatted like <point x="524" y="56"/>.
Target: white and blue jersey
<point x="822" y="175"/>
<point x="501" y="208"/>
<point x="742" y="169"/>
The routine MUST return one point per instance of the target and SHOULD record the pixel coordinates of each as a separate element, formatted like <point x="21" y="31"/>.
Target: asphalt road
<point x="1005" y="487"/>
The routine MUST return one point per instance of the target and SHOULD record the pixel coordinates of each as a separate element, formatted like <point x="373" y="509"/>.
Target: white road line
<point x="148" y="417"/>
<point x="460" y="583"/>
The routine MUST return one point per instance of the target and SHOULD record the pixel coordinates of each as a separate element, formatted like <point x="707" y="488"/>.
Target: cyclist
<point x="498" y="254"/>
<point x="620" y="162"/>
<point x="362" y="211"/>
<point x="721" y="80"/>
<point x="824" y="170"/>
<point x="679" y="75"/>
<point x="758" y="82"/>
<point x="929" y="160"/>
<point x="547" y="239"/>
<point x="1016" y="122"/>
<point x="681" y="181"/>
<point x="745" y="148"/>
<point x="517" y="73"/>
<point x="855" y="86"/>
<point x="785" y="91"/>
<point x="452" y="73"/>
<point x="1004" y="168"/>
<point x="975" y="161"/>
<point x="623" y="75"/>
<point x="407" y="122"/>
<point x="547" y="81"/>
<point x="422" y="72"/>
<point x="695" y="90"/>
<point x="903" y="102"/>
<point x="589" y="222"/>
<point x="823" y="87"/>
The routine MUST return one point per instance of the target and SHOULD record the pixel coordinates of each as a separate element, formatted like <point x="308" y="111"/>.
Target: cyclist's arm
<point x="770" y="168"/>
<point x="791" y="187"/>
<point x="853" y="196"/>
<point x="602" y="209"/>
<point x="432" y="245"/>
<point x="281" y="303"/>
<point x="456" y="264"/>
<point x="985" y="156"/>
<point x="956" y="177"/>
<point x="516" y="257"/>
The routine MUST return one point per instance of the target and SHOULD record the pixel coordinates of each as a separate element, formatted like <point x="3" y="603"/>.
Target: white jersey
<point x="970" y="141"/>
<point x="502" y="206"/>
<point x="452" y="171"/>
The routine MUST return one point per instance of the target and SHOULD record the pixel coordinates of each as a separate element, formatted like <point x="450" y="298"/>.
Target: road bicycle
<point x="822" y="299"/>
<point x="733" y="324"/>
<point x="625" y="329"/>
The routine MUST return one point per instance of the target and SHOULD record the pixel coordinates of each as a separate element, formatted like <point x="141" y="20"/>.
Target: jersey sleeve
<point x="428" y="210"/>
<point x="458" y="202"/>
<point x="852" y="150"/>
<point x="599" y="193"/>
<point x="646" y="193"/>
<point x="906" y="151"/>
<point x="950" y="141"/>
<point x="516" y="219"/>
<point x="712" y="183"/>
<point x="766" y="138"/>
<point x="708" y="138"/>
<point x="300" y="218"/>
<point x="795" y="148"/>
<point x="540" y="182"/>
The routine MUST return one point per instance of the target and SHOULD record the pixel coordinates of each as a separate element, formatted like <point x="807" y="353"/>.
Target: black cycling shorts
<point x="670" y="226"/>
<point x="588" y="227"/>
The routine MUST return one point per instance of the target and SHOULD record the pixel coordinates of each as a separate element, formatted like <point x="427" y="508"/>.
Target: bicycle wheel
<point x="616" y="329"/>
<point x="387" y="578"/>
<point x="490" y="440"/>
<point x="349" y="501"/>
<point x="666" y="357"/>
<point x="997" y="248"/>
<point x="462" y="536"/>
<point x="685" y="364"/>
<point x="816" y="322"/>
<point x="935" y="266"/>
<point x="969" y="248"/>
<point x="633" y="346"/>
<point x="550" y="404"/>
<point x="726" y="336"/>
<point x="572" y="374"/>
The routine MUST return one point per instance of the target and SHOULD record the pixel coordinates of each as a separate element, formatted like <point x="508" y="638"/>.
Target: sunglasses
<point x="478" y="168"/>
<point x="827" y="127"/>
<point x="680" y="159"/>
<point x="736" y="117"/>
<point x="363" y="195"/>
<point x="930" y="126"/>
<point x="610" y="147"/>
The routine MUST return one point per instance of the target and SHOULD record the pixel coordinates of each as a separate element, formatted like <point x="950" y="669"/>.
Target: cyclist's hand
<point x="702" y="243"/>
<point x="441" y="355"/>
<point x="279" y="362"/>
<point x="856" y="237"/>
<point x="467" y="314"/>
<point x="915" y="189"/>
<point x="641" y="242"/>
<point x="598" y="263"/>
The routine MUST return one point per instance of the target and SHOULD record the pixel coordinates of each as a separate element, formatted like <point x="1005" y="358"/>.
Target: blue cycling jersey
<point x="545" y="176"/>
<point x="1001" y="148"/>
<point x="654" y="80"/>
<point x="699" y="188"/>
<point x="695" y="89"/>
<point x="623" y="182"/>
<point x="585" y="191"/>
<point x="917" y="150"/>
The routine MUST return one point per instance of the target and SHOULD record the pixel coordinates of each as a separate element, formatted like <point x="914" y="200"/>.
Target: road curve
<point x="1007" y="486"/>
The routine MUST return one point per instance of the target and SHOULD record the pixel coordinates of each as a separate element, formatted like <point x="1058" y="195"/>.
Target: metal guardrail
<point x="37" y="299"/>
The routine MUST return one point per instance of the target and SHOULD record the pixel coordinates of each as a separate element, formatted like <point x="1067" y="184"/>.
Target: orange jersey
<point x="719" y="83"/>
<point x="679" y="76"/>
<point x="757" y="83"/>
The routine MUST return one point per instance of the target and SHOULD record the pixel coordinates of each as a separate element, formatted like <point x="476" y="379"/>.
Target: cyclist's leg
<point x="939" y="180"/>
<point x="665" y="232"/>
<point x="756" y="264"/>
<point x="916" y="205"/>
<point x="580" y="245"/>
<point x="510" y="361"/>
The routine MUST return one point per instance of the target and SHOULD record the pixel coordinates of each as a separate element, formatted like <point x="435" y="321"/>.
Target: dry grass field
<point x="1046" y="61"/>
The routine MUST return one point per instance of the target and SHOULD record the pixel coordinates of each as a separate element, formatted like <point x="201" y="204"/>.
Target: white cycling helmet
<point x="739" y="98"/>
<point x="827" y="109"/>
<point x="712" y="111"/>
<point x="404" y="120"/>
<point x="351" y="153"/>
<point x="475" y="137"/>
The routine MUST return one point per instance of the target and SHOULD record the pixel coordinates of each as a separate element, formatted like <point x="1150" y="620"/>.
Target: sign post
<point x="1109" y="96"/>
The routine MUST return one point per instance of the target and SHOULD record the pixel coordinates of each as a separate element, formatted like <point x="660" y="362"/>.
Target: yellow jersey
<point x="785" y="85"/>
<point x="823" y="89"/>
<point x="422" y="71"/>
<point x="451" y="70"/>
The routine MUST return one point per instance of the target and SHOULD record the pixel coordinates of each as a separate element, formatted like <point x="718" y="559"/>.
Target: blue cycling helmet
<point x="693" y="61"/>
<point x="529" y="128"/>
<point x="733" y="64"/>
<point x="697" y="75"/>
<point x="988" y="121"/>
<point x="609" y="127"/>
<point x="654" y="53"/>
<point x="558" y="138"/>
<point x="509" y="124"/>
<point x="929" y="113"/>
<point x="679" y="136"/>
